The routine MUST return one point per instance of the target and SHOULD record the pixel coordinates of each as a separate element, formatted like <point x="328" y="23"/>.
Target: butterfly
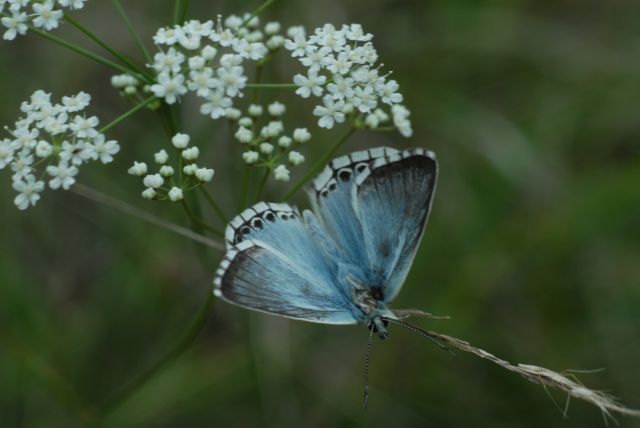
<point x="344" y="261"/>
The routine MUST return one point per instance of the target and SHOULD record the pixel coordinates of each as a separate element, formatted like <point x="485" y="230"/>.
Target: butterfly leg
<point x="379" y="325"/>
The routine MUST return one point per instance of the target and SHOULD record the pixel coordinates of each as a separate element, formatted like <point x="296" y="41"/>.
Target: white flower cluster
<point x="342" y="70"/>
<point x="162" y="185"/>
<point x="208" y="60"/>
<point x="268" y="145"/>
<point x="45" y="15"/>
<point x="59" y="136"/>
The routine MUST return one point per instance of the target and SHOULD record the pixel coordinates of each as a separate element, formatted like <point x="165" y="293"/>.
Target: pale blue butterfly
<point x="343" y="262"/>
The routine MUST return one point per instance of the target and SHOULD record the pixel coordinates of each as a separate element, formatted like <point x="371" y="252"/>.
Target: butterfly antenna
<point x="421" y="332"/>
<point x="367" y="358"/>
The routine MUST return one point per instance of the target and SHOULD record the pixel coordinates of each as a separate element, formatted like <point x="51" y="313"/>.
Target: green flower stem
<point x="255" y="89"/>
<point x="188" y="337"/>
<point x="261" y="186"/>
<point x="127" y="114"/>
<point x="164" y="124"/>
<point x="318" y="165"/>
<point x="175" y="118"/>
<point x="185" y="9"/>
<point x="214" y="205"/>
<point x="84" y="52"/>
<point x="180" y="11"/>
<point x="132" y="31"/>
<point x="244" y="187"/>
<point x="176" y="12"/>
<point x="272" y="85"/>
<point x="170" y="117"/>
<point x="256" y="12"/>
<point x="199" y="222"/>
<point x="126" y="61"/>
<point x="126" y="208"/>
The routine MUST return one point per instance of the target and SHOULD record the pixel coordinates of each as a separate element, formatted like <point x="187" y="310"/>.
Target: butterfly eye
<point x="269" y="216"/>
<point x="344" y="174"/>
<point x="257" y="223"/>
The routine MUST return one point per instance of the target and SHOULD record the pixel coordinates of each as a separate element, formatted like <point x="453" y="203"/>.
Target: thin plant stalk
<point x="185" y="9"/>
<point x="129" y="63"/>
<point x="180" y="11"/>
<point x="262" y="184"/>
<point x="256" y="12"/>
<point x="110" y="201"/>
<point x="272" y="85"/>
<point x="199" y="222"/>
<point x="566" y="382"/>
<point x="127" y="114"/>
<point x="132" y="31"/>
<point x="244" y="187"/>
<point x="212" y="202"/>
<point x="84" y="52"/>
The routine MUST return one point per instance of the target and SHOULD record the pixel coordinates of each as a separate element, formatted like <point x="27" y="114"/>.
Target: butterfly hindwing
<point x="392" y="200"/>
<point x="274" y="264"/>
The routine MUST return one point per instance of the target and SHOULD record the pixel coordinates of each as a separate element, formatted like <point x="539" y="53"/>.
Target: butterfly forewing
<point x="331" y="197"/>
<point x="392" y="200"/>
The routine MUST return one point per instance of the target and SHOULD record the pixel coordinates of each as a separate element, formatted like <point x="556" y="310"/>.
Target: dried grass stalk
<point x="566" y="382"/>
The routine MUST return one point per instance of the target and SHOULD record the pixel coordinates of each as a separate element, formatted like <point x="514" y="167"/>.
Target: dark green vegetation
<point x="532" y="247"/>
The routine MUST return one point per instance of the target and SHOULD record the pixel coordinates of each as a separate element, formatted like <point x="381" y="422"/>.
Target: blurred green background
<point x="532" y="246"/>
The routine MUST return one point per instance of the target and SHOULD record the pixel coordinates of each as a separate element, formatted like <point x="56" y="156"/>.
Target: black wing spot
<point x="270" y="217"/>
<point x="332" y="186"/>
<point x="361" y="167"/>
<point x="257" y="223"/>
<point x="344" y="174"/>
<point x="239" y="239"/>
<point x="245" y="230"/>
<point x="324" y="193"/>
<point x="283" y="216"/>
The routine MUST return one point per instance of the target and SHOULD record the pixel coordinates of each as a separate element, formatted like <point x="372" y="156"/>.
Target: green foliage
<point x="532" y="247"/>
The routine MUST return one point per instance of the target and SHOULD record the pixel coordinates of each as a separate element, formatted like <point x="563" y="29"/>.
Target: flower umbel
<point x="341" y="68"/>
<point x="266" y="140"/>
<point x="44" y="15"/>
<point x="166" y="184"/>
<point x="59" y="137"/>
<point x="208" y="60"/>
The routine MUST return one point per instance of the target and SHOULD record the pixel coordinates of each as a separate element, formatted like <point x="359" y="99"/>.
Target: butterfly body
<point x="343" y="261"/>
